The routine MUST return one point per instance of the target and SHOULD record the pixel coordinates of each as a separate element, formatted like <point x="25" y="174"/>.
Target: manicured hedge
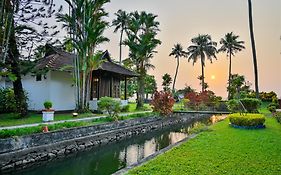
<point x="277" y="115"/>
<point x="247" y="120"/>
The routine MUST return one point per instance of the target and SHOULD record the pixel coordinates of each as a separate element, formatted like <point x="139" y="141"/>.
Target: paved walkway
<point x="71" y="120"/>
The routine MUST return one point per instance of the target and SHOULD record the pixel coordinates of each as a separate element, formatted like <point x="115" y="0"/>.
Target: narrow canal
<point x="110" y="158"/>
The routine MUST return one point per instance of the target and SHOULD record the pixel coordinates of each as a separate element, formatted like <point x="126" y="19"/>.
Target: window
<point x="39" y="77"/>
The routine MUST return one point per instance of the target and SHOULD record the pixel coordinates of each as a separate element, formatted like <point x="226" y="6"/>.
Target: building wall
<point x="38" y="91"/>
<point x="62" y="91"/>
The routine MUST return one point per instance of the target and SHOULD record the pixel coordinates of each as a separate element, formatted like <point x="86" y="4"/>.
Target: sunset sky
<point x="180" y="20"/>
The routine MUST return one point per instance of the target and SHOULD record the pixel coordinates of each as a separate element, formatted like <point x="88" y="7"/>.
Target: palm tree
<point x="203" y="47"/>
<point x="120" y="22"/>
<point x="178" y="52"/>
<point x="86" y="25"/>
<point x="230" y="45"/>
<point x="253" y="48"/>
<point x="141" y="40"/>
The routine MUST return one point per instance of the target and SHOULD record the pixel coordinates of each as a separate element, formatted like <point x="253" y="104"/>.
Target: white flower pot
<point x="48" y="116"/>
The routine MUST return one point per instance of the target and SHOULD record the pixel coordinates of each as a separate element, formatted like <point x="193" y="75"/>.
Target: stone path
<point x="71" y="120"/>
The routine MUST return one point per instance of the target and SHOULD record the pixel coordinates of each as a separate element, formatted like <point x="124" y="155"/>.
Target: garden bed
<point x="247" y="121"/>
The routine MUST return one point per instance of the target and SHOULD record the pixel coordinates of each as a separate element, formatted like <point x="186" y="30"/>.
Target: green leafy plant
<point x="111" y="106"/>
<point x="277" y="115"/>
<point x="125" y="108"/>
<point x="247" y="120"/>
<point x="48" y="105"/>
<point x="163" y="102"/>
<point x="251" y="104"/>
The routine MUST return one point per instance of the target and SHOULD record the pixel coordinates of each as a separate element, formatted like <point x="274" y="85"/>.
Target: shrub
<point x="221" y="106"/>
<point x="249" y="120"/>
<point x="125" y="108"/>
<point x="277" y="115"/>
<point x="7" y="100"/>
<point x="234" y="106"/>
<point x="163" y="102"/>
<point x="112" y="106"/>
<point x="48" y="105"/>
<point x="251" y="104"/>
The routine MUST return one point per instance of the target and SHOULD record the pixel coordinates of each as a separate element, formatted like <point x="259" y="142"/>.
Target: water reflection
<point x="111" y="158"/>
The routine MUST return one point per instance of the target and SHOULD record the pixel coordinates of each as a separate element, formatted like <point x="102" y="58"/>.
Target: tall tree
<point x="204" y="48"/>
<point x="167" y="80"/>
<point x="22" y="29"/>
<point x="120" y="23"/>
<point x="231" y="46"/>
<point x="251" y="26"/>
<point x="150" y="85"/>
<point x="141" y="39"/>
<point x="178" y="52"/>
<point x="85" y="25"/>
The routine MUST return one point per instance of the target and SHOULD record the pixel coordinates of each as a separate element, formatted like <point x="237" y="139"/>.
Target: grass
<point x="11" y="119"/>
<point x="223" y="150"/>
<point x="54" y="127"/>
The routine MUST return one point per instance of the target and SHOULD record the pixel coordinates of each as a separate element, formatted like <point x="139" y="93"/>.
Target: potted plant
<point x="48" y="113"/>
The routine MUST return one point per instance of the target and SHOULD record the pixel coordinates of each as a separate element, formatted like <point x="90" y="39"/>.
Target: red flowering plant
<point x="163" y="102"/>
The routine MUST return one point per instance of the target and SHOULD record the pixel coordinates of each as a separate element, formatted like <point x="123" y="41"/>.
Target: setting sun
<point x="213" y="77"/>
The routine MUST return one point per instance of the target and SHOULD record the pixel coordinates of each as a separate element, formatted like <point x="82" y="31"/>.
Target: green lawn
<point x="12" y="119"/>
<point x="223" y="150"/>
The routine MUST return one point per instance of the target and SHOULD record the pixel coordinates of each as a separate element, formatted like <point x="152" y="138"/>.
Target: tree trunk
<point x="176" y="74"/>
<point x="203" y="76"/>
<point x="15" y="69"/>
<point x="229" y="76"/>
<point x="253" y="48"/>
<point x="120" y="45"/>
<point x="140" y="93"/>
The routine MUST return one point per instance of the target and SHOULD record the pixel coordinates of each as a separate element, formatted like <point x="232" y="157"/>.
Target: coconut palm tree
<point x="141" y="39"/>
<point x="253" y="48"/>
<point x="178" y="52"/>
<point x="204" y="48"/>
<point x="120" y="23"/>
<point x="230" y="45"/>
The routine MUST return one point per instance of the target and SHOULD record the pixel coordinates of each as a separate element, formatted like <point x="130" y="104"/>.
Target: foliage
<point x="267" y="96"/>
<point x="48" y="104"/>
<point x="277" y="115"/>
<point x="231" y="45"/>
<point x="202" y="48"/>
<point x="167" y="80"/>
<point x="177" y="52"/>
<point x="272" y="107"/>
<point x="225" y="145"/>
<point x="201" y="101"/>
<point x="7" y="100"/>
<point x="234" y="106"/>
<point x="247" y="120"/>
<point x="251" y="104"/>
<point x="163" y="102"/>
<point x="86" y="25"/>
<point x="141" y="31"/>
<point x="125" y="108"/>
<point x="238" y="87"/>
<point x="112" y="106"/>
<point x="150" y="85"/>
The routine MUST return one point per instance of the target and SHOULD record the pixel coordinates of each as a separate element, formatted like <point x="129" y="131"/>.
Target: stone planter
<point x="48" y="115"/>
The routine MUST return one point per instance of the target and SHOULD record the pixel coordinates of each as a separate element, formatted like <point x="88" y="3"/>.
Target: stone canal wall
<point x="21" y="152"/>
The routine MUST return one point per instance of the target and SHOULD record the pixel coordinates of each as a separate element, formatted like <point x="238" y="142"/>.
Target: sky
<point x="181" y="20"/>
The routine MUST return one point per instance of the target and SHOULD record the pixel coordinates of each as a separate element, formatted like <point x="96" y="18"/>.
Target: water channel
<point x="110" y="158"/>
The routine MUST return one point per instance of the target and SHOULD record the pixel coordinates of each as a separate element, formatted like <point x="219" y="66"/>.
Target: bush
<point x="48" y="105"/>
<point x="277" y="115"/>
<point x="163" y="102"/>
<point x="112" y="106"/>
<point x="234" y="106"/>
<point x="125" y="108"/>
<point x="7" y="100"/>
<point x="249" y="120"/>
<point x="251" y="104"/>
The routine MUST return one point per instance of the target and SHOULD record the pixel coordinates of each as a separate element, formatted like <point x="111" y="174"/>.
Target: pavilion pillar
<point x="111" y="87"/>
<point x="125" y="91"/>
